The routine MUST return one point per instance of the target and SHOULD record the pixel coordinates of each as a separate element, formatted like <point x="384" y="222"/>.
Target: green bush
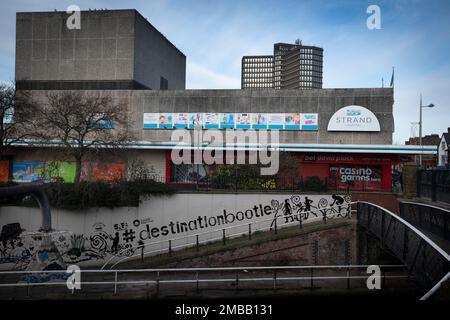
<point x="314" y="184"/>
<point x="94" y="194"/>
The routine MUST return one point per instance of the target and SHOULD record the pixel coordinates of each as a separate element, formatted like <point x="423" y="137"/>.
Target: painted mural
<point x="4" y="170"/>
<point x="22" y="249"/>
<point x="59" y="171"/>
<point x="28" y="171"/>
<point x="99" y="171"/>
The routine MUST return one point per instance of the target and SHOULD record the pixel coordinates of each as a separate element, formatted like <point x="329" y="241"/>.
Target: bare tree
<point x="83" y="124"/>
<point x="16" y="113"/>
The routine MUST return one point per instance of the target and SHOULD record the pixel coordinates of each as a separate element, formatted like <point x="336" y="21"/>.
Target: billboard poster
<point x="151" y="120"/>
<point x="292" y="121"/>
<point x="28" y="171"/>
<point x="108" y="171"/>
<point x="211" y="120"/>
<point x="356" y="177"/>
<point x="195" y="119"/>
<point x="181" y="120"/>
<point x="96" y="171"/>
<point x="101" y="120"/>
<point x="263" y="121"/>
<point x="259" y="121"/>
<point x="165" y="120"/>
<point x="275" y="121"/>
<point x="243" y="120"/>
<point x="59" y="171"/>
<point x="227" y="120"/>
<point x="309" y="121"/>
<point x="4" y="170"/>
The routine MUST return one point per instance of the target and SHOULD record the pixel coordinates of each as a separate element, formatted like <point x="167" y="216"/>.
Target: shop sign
<point x="354" y="118"/>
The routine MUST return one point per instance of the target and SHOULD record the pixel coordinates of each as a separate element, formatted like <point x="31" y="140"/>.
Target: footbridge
<point x="418" y="237"/>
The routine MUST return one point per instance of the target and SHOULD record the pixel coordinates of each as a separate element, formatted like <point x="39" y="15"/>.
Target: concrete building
<point x="322" y="147"/>
<point x="333" y="133"/>
<point x="292" y="66"/>
<point x="113" y="49"/>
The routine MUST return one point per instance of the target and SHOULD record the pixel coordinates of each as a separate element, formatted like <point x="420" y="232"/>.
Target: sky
<point x="215" y="34"/>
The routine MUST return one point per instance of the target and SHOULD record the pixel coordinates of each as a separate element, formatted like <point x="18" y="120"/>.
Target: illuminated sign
<point x="354" y="118"/>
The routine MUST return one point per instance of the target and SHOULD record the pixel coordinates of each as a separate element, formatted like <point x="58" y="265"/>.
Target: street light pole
<point x="420" y="133"/>
<point x="420" y="127"/>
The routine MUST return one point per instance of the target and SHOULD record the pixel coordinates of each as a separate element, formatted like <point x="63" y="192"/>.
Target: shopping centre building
<point x="341" y="133"/>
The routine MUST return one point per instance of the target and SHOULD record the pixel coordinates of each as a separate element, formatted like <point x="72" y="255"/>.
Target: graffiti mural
<point x="22" y="249"/>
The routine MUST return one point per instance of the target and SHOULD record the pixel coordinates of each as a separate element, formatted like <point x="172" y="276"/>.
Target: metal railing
<point x="434" y="184"/>
<point x="195" y="240"/>
<point x="427" y="263"/>
<point x="431" y="218"/>
<point x="276" y="276"/>
<point x="269" y="183"/>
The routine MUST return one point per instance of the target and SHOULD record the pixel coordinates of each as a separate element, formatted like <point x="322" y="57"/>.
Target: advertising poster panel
<point x="28" y="171"/>
<point x="227" y="120"/>
<point x="195" y="119"/>
<point x="243" y="120"/>
<point x="181" y="120"/>
<point x="309" y="121"/>
<point x="151" y="120"/>
<point x="4" y="170"/>
<point x="211" y="120"/>
<point x="259" y="121"/>
<point x="97" y="171"/>
<point x="276" y="121"/>
<point x="165" y="120"/>
<point x="292" y="121"/>
<point x="59" y="171"/>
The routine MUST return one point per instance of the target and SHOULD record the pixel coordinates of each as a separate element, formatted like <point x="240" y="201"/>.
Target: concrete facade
<point x="324" y="102"/>
<point x="112" y="49"/>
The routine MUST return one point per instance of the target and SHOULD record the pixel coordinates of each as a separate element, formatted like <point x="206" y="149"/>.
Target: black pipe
<point x="37" y="191"/>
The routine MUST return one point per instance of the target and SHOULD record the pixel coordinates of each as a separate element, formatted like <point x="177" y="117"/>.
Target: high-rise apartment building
<point x="292" y="66"/>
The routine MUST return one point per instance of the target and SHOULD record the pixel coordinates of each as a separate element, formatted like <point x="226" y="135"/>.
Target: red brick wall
<point x="385" y="200"/>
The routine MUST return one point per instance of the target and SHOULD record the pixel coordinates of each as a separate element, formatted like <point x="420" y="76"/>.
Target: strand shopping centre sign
<point x="354" y="118"/>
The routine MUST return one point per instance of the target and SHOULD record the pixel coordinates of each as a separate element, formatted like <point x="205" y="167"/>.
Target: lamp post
<point x="420" y="127"/>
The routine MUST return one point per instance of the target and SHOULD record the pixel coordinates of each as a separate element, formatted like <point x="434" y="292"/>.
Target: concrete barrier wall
<point x="90" y="237"/>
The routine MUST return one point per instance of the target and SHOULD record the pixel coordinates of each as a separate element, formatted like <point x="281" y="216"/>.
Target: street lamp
<point x="420" y="126"/>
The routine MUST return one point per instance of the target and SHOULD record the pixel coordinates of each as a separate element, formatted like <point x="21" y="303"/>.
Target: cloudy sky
<point x="215" y="34"/>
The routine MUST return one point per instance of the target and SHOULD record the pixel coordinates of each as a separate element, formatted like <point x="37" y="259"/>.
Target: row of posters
<point x="276" y="121"/>
<point x="40" y="171"/>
